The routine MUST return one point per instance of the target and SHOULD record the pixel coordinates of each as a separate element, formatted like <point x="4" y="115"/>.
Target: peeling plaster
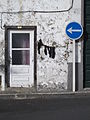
<point x="51" y="73"/>
<point x="48" y="50"/>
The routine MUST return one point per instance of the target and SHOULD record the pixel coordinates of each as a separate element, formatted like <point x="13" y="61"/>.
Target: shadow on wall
<point x="47" y="49"/>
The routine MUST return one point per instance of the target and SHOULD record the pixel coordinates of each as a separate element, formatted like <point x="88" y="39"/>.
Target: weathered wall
<point x="55" y="51"/>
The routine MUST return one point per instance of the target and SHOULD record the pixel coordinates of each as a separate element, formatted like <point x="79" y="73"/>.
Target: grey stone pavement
<point x="46" y="107"/>
<point x="26" y="104"/>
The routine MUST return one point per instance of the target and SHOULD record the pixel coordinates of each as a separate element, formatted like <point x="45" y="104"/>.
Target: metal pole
<point x="74" y="65"/>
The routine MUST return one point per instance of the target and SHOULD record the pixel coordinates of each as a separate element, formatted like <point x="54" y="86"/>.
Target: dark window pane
<point x="20" y="40"/>
<point x="20" y="57"/>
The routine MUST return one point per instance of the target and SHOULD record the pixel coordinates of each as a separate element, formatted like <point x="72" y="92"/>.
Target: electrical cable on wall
<point x="65" y="10"/>
<point x="22" y="12"/>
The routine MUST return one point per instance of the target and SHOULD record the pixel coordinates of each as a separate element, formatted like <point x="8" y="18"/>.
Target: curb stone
<point x="83" y="94"/>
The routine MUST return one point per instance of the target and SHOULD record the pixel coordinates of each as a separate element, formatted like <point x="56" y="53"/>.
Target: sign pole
<point x="74" y="31"/>
<point x="74" y="66"/>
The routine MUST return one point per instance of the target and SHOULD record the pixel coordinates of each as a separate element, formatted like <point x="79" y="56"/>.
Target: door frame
<point x="7" y="49"/>
<point x="85" y="38"/>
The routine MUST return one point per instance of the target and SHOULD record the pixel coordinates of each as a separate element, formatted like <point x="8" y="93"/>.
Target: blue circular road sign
<point x="74" y="30"/>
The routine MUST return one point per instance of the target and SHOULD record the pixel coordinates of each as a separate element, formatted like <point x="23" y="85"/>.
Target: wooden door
<point x="21" y="58"/>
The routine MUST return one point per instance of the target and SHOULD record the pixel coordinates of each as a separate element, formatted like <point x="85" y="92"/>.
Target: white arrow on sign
<point x="73" y="30"/>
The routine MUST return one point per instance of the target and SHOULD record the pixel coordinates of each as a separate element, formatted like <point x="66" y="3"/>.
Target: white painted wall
<point x="51" y="73"/>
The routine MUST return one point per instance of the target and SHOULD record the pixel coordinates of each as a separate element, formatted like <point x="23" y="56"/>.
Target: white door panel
<point x="20" y="70"/>
<point x="22" y="58"/>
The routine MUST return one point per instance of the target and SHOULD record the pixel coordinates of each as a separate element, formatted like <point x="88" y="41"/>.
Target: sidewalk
<point x="26" y="93"/>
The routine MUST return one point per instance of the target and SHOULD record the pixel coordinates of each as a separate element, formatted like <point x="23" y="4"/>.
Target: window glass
<point x="20" y="57"/>
<point x="20" y="40"/>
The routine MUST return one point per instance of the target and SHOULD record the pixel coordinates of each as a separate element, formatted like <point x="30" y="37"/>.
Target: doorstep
<point x="26" y="93"/>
